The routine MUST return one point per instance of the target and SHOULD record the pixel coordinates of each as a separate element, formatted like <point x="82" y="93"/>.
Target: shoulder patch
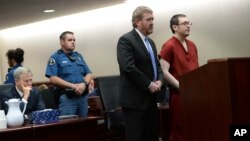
<point x="51" y="61"/>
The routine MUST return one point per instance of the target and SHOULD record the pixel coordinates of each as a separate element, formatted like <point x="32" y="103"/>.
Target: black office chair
<point x="49" y="98"/>
<point x="108" y="87"/>
<point x="4" y="87"/>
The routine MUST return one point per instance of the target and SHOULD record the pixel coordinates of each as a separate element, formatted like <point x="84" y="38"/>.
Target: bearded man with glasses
<point x="177" y="57"/>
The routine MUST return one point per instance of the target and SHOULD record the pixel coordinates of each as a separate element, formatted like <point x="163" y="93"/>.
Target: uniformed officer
<point x="67" y="69"/>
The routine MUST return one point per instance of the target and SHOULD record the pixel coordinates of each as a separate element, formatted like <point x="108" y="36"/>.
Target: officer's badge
<point x="51" y="61"/>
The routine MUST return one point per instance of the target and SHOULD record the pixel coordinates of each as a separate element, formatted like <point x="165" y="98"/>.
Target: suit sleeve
<point x="126" y="59"/>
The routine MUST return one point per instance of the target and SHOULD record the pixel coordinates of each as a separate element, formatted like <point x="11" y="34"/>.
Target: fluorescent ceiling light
<point x="49" y="11"/>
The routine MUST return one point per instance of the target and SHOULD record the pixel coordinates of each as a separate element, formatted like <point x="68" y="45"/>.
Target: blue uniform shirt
<point x="10" y="76"/>
<point x="71" y="68"/>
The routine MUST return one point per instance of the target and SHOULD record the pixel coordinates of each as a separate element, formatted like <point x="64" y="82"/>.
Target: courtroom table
<point x="24" y="133"/>
<point x="79" y="129"/>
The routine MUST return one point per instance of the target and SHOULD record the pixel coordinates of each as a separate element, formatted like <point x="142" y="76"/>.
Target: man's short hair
<point x="19" y="71"/>
<point x="138" y="13"/>
<point x="62" y="36"/>
<point x="175" y="21"/>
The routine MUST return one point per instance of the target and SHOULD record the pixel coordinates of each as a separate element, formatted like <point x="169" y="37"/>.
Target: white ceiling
<point x="19" y="12"/>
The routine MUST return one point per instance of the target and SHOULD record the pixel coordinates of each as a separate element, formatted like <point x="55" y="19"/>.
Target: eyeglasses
<point x="186" y="23"/>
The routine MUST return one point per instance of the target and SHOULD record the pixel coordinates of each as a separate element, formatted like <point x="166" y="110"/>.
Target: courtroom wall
<point x="220" y="29"/>
<point x="1" y="60"/>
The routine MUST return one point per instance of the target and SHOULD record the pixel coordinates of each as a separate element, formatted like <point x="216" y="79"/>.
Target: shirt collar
<point x="19" y="92"/>
<point x="140" y="34"/>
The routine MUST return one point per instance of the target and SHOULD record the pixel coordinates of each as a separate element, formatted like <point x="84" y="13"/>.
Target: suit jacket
<point x="35" y="101"/>
<point x="136" y="71"/>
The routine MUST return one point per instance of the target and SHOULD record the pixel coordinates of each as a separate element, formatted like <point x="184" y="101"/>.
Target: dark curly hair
<point x="17" y="55"/>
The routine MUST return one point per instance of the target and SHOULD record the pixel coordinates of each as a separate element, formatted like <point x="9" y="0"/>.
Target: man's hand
<point x="26" y="91"/>
<point x="159" y="84"/>
<point x="155" y="87"/>
<point x="79" y="88"/>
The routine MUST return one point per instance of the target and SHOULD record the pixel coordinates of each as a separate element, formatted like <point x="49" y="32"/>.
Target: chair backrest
<point x="49" y="99"/>
<point x="4" y="87"/>
<point x="109" y="92"/>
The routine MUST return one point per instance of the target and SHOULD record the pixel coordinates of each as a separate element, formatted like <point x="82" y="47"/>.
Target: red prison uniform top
<point x="181" y="62"/>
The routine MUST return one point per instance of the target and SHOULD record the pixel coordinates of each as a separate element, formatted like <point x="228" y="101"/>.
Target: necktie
<point x="150" y="51"/>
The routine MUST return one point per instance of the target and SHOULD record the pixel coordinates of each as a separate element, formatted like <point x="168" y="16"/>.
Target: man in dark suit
<point x="23" y="90"/>
<point x="141" y="78"/>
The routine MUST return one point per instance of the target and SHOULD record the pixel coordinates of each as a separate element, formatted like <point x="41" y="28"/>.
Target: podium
<point x="213" y="97"/>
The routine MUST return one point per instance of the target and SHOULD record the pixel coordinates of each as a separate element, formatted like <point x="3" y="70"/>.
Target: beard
<point x="149" y="30"/>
